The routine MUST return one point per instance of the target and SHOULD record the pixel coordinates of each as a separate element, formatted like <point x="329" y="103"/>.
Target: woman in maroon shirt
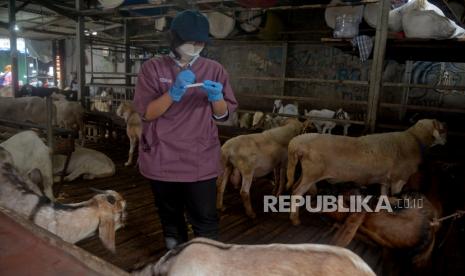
<point x="179" y="149"/>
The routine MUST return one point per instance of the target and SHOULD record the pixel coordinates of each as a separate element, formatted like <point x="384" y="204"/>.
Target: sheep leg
<point x="318" y="128"/>
<point x="132" y="145"/>
<point x="221" y="186"/>
<point x="384" y="189"/>
<point x="347" y="232"/>
<point x="299" y="191"/>
<point x="282" y="180"/>
<point x="276" y="181"/>
<point x="245" y="193"/>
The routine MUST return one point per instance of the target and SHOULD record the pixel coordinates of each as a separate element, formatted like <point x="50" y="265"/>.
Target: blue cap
<point x="191" y="25"/>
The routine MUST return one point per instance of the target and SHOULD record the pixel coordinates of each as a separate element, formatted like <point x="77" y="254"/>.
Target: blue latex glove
<point x="214" y="90"/>
<point x="178" y="89"/>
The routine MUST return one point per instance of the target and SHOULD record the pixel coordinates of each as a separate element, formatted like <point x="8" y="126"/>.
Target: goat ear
<point x="106" y="227"/>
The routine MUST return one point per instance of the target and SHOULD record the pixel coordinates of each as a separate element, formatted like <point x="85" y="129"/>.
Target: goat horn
<point x="97" y="190"/>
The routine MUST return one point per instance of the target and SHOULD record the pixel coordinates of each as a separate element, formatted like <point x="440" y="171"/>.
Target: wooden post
<point x="284" y="68"/>
<point x="80" y="46"/>
<point x="406" y="90"/>
<point x="13" y="48"/>
<point x="376" y="74"/>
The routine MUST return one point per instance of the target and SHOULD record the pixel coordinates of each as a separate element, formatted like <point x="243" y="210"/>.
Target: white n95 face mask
<point x="189" y="51"/>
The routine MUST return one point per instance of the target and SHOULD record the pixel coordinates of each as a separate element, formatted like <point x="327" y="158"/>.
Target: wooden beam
<point x="377" y="65"/>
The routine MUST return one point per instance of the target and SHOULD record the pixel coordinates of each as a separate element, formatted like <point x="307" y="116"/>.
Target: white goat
<point x="386" y="158"/>
<point x="105" y="212"/>
<point x="86" y="162"/>
<point x="29" y="152"/>
<point x="201" y="257"/>
<point x="290" y="109"/>
<point x="256" y="155"/>
<point x="327" y="126"/>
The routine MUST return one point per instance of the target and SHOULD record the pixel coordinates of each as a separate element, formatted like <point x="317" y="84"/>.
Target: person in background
<point x="180" y="150"/>
<point x="7" y="78"/>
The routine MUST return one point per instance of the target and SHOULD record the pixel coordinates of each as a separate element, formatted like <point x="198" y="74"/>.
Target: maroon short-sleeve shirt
<point x="182" y="145"/>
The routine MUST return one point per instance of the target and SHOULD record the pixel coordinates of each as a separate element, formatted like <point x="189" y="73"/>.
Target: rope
<point x="455" y="215"/>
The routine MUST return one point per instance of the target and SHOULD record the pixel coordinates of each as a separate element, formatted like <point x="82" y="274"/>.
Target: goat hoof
<point x="127" y="164"/>
<point x="295" y="222"/>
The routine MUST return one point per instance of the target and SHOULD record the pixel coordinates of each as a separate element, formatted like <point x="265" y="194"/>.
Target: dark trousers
<point x="198" y="199"/>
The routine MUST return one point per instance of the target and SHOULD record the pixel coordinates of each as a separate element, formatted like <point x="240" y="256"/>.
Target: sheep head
<point x="435" y="131"/>
<point x="258" y="118"/>
<point x="112" y="215"/>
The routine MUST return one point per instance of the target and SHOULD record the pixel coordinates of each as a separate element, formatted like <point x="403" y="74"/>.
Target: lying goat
<point x="133" y="126"/>
<point x="105" y="212"/>
<point x="386" y="158"/>
<point x="256" y="155"/>
<point x="290" y="109"/>
<point x="86" y="162"/>
<point x="409" y="229"/>
<point x="327" y="126"/>
<point x="202" y="257"/>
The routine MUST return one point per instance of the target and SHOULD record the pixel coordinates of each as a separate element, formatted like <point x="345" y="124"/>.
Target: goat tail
<point x="293" y="159"/>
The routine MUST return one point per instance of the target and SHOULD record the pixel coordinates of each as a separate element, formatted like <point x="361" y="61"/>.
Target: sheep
<point x="327" y="126"/>
<point x="410" y="229"/>
<point x="266" y="121"/>
<point x="133" y="126"/>
<point x="29" y="152"/>
<point x="256" y="155"/>
<point x="387" y="158"/>
<point x="86" y="162"/>
<point x="202" y="256"/>
<point x="104" y="212"/>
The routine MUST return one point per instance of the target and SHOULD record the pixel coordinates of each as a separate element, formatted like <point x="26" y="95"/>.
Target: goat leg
<point x="132" y="145"/>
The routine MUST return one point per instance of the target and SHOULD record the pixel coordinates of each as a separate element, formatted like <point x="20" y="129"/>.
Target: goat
<point x="86" y="162"/>
<point x="245" y="120"/>
<point x="105" y="212"/>
<point x="29" y="152"/>
<point x="256" y="155"/>
<point x="202" y="256"/>
<point x="327" y="126"/>
<point x="133" y="126"/>
<point x="26" y="109"/>
<point x="386" y="158"/>
<point x="70" y="115"/>
<point x="290" y="109"/>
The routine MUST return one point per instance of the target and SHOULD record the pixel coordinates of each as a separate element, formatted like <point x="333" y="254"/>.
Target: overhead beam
<point x="23" y="5"/>
<point x="50" y="5"/>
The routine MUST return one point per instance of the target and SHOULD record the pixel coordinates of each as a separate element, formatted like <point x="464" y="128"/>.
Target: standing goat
<point x="202" y="257"/>
<point x="386" y="158"/>
<point x="327" y="126"/>
<point x="133" y="126"/>
<point x="256" y="155"/>
<point x="104" y="212"/>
